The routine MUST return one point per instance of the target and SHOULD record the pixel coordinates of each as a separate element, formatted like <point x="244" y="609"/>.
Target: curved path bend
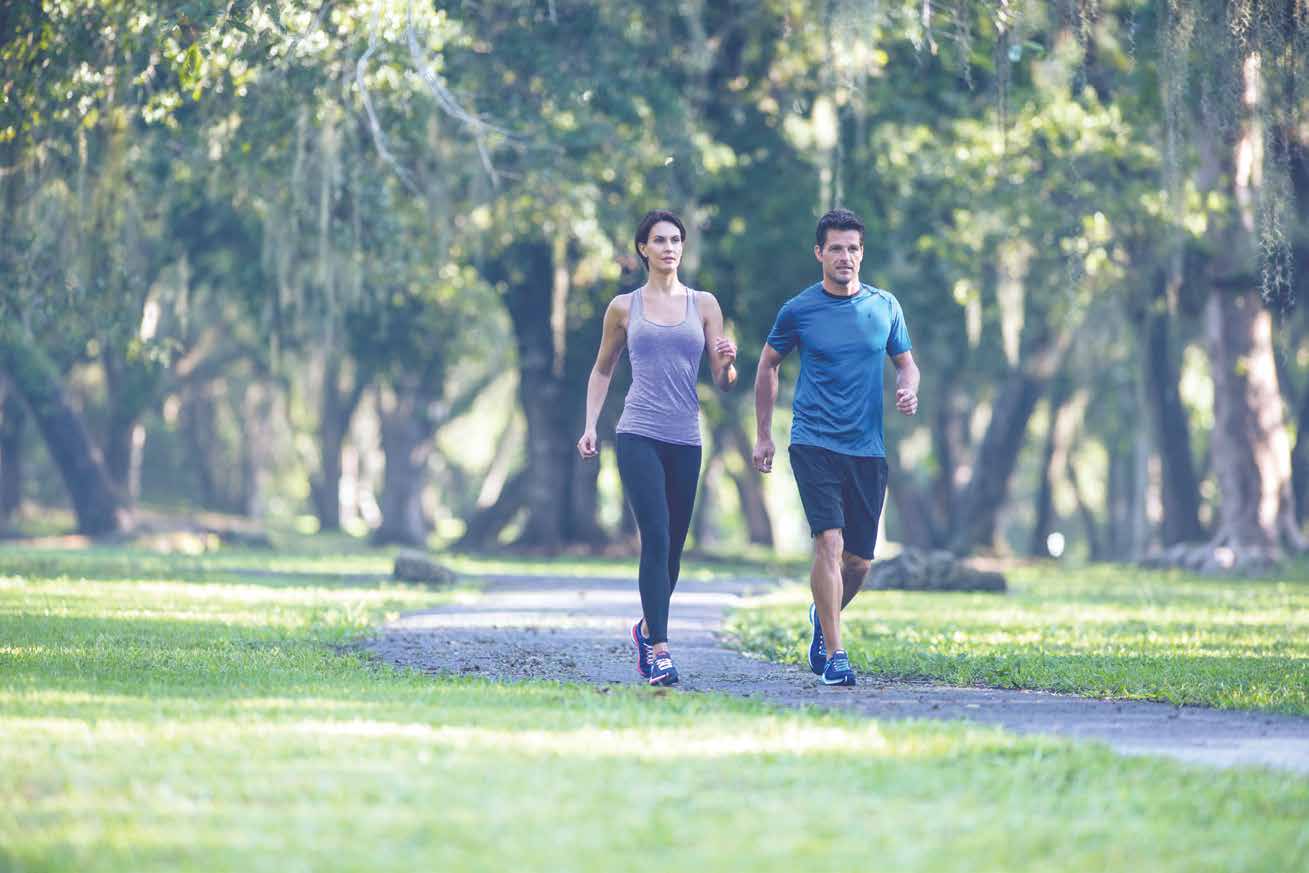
<point x="537" y="627"/>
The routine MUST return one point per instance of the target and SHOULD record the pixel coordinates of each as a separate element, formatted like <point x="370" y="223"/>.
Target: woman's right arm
<point x="612" y="341"/>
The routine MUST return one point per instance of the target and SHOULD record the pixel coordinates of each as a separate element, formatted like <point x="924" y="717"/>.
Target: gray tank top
<point x="662" y="403"/>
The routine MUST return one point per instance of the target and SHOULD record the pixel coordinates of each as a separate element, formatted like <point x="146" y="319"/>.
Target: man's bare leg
<point x="854" y="569"/>
<point x="826" y="584"/>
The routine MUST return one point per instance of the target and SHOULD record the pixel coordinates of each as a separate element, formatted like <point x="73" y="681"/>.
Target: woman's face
<point x="663" y="247"/>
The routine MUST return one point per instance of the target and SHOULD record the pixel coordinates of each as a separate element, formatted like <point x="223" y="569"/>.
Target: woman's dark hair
<point x="651" y="219"/>
<point x="839" y="219"/>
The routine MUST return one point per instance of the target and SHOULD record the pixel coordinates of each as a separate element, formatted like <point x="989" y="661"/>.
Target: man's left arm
<point x="906" y="383"/>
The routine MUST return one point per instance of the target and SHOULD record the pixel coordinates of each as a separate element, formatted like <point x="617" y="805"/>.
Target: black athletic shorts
<point x="842" y="492"/>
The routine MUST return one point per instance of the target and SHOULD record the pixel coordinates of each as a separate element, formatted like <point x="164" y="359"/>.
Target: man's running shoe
<point x="662" y="671"/>
<point x="644" y="651"/>
<point x="838" y="671"/>
<point x="818" y="647"/>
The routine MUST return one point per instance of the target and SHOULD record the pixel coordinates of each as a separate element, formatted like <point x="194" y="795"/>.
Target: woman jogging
<point x="666" y="327"/>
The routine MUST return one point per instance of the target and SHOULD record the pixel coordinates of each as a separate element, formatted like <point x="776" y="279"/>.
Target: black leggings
<point x="659" y="480"/>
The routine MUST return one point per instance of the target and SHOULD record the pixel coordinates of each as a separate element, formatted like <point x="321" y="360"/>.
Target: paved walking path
<point x="576" y="630"/>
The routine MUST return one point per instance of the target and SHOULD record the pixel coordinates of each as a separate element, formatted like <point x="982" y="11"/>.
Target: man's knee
<point x="829" y="544"/>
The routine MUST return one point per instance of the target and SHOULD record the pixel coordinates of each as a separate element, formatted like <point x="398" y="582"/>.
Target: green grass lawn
<point x="164" y="713"/>
<point x="1101" y="631"/>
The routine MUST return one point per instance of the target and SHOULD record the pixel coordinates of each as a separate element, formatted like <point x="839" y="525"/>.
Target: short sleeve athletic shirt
<point x="842" y="342"/>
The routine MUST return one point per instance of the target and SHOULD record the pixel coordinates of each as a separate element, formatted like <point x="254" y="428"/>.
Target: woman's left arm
<point x="721" y="349"/>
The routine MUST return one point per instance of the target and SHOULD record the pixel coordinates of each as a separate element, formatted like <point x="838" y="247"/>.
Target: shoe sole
<point x="843" y="681"/>
<point x="637" y="642"/>
<point x="813" y="625"/>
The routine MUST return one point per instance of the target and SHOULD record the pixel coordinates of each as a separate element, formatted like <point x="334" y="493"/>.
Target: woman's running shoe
<point x="644" y="651"/>
<point x="662" y="671"/>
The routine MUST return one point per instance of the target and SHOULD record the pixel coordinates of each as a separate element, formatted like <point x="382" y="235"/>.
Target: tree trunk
<point x="340" y="396"/>
<point x="584" y="505"/>
<point x="198" y="428"/>
<point x="99" y="508"/>
<point x="124" y="453"/>
<point x="913" y="509"/>
<point x="749" y="487"/>
<point x="486" y="524"/>
<point x="257" y="408"/>
<point x="705" y="527"/>
<point x="131" y="387"/>
<point x="548" y="474"/>
<point x="1051" y="462"/>
<point x="1168" y="422"/>
<point x="996" y="458"/>
<point x="946" y="436"/>
<point x="13" y="422"/>
<point x="1120" y="502"/>
<point x="407" y="433"/>
<point x="1251" y="450"/>
<point x="1094" y="545"/>
<point x="1300" y="457"/>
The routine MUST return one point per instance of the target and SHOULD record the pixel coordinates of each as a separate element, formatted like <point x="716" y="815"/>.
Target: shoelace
<point x="663" y="662"/>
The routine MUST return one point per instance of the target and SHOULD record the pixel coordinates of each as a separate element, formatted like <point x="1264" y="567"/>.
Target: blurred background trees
<point x="342" y="265"/>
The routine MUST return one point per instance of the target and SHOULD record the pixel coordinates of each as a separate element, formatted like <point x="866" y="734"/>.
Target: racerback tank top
<point x="662" y="403"/>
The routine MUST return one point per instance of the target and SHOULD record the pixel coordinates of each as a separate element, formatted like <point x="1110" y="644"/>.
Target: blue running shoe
<point x="818" y="647"/>
<point x="644" y="651"/>
<point x="838" y="670"/>
<point x="662" y="671"/>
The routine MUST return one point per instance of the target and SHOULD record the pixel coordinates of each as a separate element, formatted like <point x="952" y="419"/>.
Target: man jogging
<point x="842" y="328"/>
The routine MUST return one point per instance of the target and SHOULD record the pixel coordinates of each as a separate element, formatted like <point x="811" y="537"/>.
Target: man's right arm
<point x="765" y="398"/>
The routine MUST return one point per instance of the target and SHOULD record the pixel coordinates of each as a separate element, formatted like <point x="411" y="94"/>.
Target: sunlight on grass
<point x="769" y="737"/>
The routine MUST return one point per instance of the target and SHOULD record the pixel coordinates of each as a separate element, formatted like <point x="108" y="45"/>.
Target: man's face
<point x="841" y="255"/>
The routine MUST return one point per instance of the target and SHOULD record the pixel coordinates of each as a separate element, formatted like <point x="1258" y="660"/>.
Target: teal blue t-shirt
<point x="842" y="341"/>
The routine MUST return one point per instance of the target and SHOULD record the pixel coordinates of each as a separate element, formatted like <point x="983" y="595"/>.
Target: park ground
<point x="217" y="712"/>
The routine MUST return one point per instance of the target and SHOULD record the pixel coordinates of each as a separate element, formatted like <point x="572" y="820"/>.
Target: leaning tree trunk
<point x="483" y="529"/>
<point x="407" y="445"/>
<point x="1251" y="450"/>
<point x="13" y="421"/>
<point x="98" y="507"/>
<point x="996" y="458"/>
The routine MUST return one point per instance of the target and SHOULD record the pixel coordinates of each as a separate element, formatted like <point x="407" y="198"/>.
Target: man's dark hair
<point x="839" y="219"/>
<point x="647" y="224"/>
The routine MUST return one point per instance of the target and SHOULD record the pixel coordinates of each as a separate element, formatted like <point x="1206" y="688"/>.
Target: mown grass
<point x="208" y="718"/>
<point x="1099" y="631"/>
